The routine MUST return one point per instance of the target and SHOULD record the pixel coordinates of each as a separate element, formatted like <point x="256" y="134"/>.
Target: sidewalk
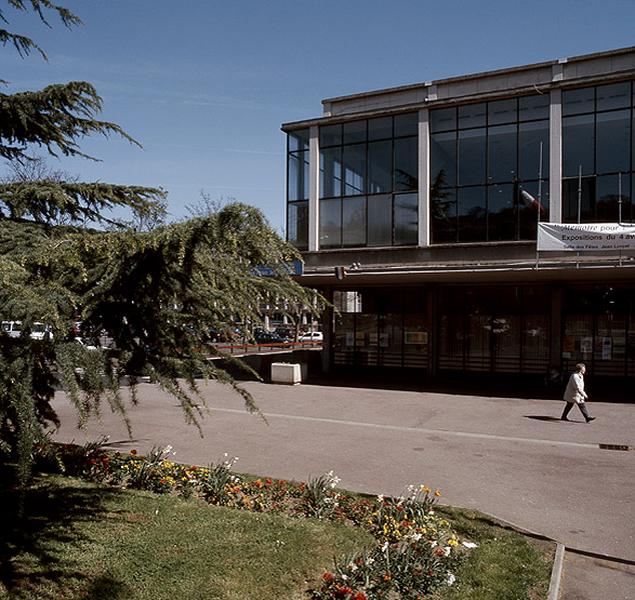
<point x="512" y="458"/>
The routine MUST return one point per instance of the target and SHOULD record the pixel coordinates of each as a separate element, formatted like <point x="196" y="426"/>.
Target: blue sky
<point x="204" y="86"/>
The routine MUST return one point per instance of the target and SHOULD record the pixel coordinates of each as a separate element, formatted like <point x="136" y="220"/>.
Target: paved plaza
<point x="512" y="458"/>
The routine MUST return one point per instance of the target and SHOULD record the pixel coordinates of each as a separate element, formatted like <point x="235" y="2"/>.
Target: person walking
<point x="575" y="394"/>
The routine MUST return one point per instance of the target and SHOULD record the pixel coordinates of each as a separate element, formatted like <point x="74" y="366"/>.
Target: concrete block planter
<point x="289" y="373"/>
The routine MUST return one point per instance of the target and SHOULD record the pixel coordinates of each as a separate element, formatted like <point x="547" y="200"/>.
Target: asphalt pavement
<point x="509" y="457"/>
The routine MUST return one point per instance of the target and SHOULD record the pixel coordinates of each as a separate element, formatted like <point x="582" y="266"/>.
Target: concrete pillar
<point x="424" y="178"/>
<point x="556" y="328"/>
<point x="433" y="318"/>
<point x="314" y="189"/>
<point x="555" y="157"/>
<point x="327" y="331"/>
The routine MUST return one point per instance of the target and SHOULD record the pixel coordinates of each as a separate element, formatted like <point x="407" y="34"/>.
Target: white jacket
<point x="575" y="389"/>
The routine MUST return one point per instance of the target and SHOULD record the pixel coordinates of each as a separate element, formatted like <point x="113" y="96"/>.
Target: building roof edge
<point x="480" y="74"/>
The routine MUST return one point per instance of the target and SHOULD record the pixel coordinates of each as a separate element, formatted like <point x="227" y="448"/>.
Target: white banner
<point x="586" y="237"/>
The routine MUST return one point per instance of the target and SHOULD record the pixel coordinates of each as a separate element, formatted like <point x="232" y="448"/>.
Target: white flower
<point x="416" y="536"/>
<point x="470" y="545"/>
<point x="344" y="577"/>
<point x="451" y="579"/>
<point x="380" y="498"/>
<point x="384" y="548"/>
<point x="447" y="550"/>
<point x="433" y="543"/>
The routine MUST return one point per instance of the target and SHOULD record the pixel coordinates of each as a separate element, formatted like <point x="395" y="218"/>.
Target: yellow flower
<point x="452" y="542"/>
<point x="437" y="493"/>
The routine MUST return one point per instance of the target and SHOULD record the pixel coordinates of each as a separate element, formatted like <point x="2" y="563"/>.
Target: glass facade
<point x="599" y="329"/>
<point x="489" y="166"/>
<point x="383" y="329"/>
<point x="485" y="168"/>
<point x="369" y="182"/>
<point x="488" y="329"/>
<point x="498" y="329"/>
<point x="298" y="189"/>
<point x="597" y="153"/>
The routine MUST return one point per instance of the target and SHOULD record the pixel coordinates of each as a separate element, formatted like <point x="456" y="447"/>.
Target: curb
<point x="556" y="574"/>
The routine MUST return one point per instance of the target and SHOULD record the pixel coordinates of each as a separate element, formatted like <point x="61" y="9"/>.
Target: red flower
<point x="328" y="577"/>
<point x="133" y="452"/>
<point x="359" y="596"/>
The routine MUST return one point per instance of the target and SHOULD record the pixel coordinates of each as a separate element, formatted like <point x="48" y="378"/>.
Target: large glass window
<point x="379" y="219"/>
<point x="372" y="160"/>
<point x="331" y="223"/>
<point x="498" y="329"/>
<point x="405" y="218"/>
<point x="597" y="153"/>
<point x="485" y="166"/>
<point x="298" y="224"/>
<point x="354" y="221"/>
<point x="298" y="188"/>
<point x="598" y="329"/>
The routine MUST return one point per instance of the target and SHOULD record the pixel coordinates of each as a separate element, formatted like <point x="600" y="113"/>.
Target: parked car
<point x="85" y="343"/>
<point x="267" y="337"/>
<point x="312" y="336"/>
<point x="285" y="333"/>
<point x="39" y="331"/>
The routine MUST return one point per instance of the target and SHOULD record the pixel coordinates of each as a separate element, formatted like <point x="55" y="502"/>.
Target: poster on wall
<point x="586" y="345"/>
<point x="568" y="343"/>
<point x="585" y="237"/>
<point x="607" y="348"/>
<point x="416" y="337"/>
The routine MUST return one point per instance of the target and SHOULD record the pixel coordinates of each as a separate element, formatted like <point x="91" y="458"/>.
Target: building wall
<point x="439" y="239"/>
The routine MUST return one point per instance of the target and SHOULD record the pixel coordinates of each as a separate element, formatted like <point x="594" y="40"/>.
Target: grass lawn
<point x="83" y="541"/>
<point x="505" y="566"/>
<point x="88" y="542"/>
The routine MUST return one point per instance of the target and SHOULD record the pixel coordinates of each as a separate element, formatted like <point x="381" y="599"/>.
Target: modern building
<point x="416" y="211"/>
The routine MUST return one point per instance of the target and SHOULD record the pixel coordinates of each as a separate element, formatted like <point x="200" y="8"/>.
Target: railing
<point x="270" y="347"/>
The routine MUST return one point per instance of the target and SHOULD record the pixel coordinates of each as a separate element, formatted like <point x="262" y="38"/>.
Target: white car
<point x="312" y="336"/>
<point x="39" y="331"/>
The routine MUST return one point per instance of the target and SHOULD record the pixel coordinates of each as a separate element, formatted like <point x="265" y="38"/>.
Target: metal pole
<point x="577" y="265"/>
<point x="539" y="207"/>
<point x="619" y="205"/>
<point x="579" y="192"/>
<point x="619" y="198"/>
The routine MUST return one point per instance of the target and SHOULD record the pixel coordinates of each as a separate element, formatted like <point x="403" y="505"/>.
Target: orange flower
<point x="360" y="596"/>
<point x="133" y="452"/>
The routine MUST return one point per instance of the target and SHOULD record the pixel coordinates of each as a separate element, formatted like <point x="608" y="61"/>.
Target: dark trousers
<point x="582" y="407"/>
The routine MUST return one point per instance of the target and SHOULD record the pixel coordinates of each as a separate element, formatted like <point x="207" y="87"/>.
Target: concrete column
<point x="556" y="328"/>
<point x="327" y="331"/>
<point x="424" y="178"/>
<point x="314" y="189"/>
<point x="555" y="157"/>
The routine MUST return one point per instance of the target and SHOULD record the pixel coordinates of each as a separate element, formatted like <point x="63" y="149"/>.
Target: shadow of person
<point x="545" y="418"/>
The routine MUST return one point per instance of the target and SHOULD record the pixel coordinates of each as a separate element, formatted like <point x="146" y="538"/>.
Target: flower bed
<point x="415" y="551"/>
